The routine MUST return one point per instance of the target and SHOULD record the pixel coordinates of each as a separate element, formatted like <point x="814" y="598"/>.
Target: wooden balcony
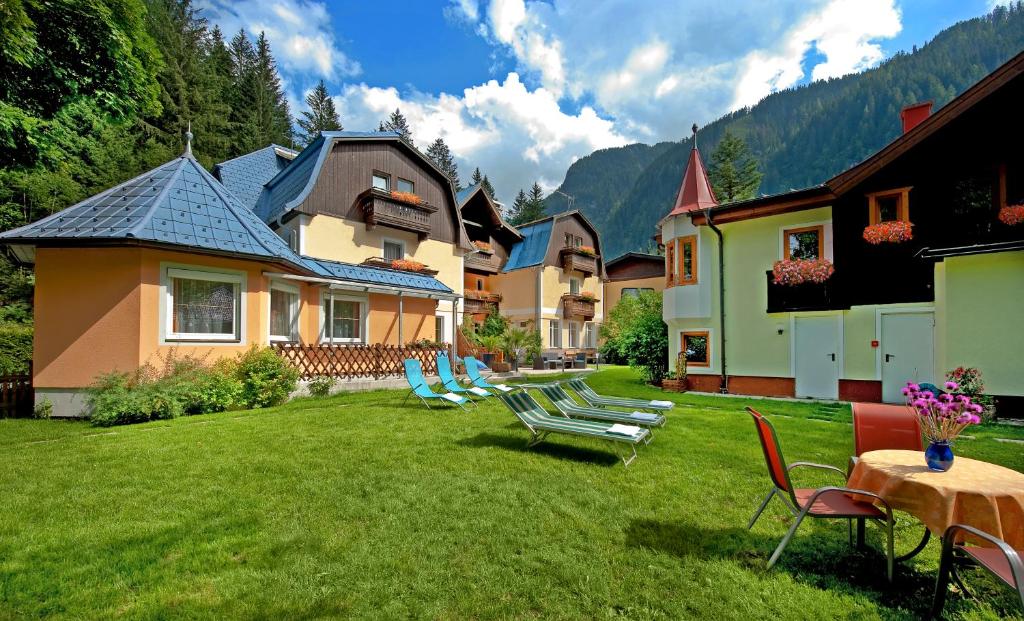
<point x="381" y="208"/>
<point x="573" y="259"/>
<point x="577" y="306"/>
<point x="805" y="297"/>
<point x="481" y="261"/>
<point x="480" y="302"/>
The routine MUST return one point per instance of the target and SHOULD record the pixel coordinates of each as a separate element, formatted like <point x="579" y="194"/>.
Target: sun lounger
<point x="570" y="409"/>
<point x="599" y="401"/>
<point x="540" y="424"/>
<point x="473" y="371"/>
<point x="418" y="386"/>
<point x="444" y="371"/>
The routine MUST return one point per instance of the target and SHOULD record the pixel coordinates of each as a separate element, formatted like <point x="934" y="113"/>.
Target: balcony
<point x="480" y="302"/>
<point x="577" y="306"/>
<point x="574" y="259"/>
<point x="482" y="261"/>
<point x="805" y="297"/>
<point x="382" y="208"/>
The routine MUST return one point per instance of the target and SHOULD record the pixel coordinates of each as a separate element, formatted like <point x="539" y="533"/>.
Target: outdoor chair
<point x="444" y="372"/>
<point x="418" y="386"/>
<point x="598" y="401"/>
<point x="1000" y="560"/>
<point x="570" y="409"/>
<point x="825" y="502"/>
<point x="540" y="424"/>
<point x="477" y="380"/>
<point x="880" y="426"/>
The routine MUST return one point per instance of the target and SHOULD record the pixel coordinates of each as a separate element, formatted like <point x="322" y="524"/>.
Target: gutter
<point x="721" y="298"/>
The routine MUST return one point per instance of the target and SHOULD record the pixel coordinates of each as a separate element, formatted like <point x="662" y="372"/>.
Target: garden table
<point x="977" y="493"/>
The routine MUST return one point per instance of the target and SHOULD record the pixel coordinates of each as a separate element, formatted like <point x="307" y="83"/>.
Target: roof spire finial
<point x="188" y="139"/>
<point x="694" y="128"/>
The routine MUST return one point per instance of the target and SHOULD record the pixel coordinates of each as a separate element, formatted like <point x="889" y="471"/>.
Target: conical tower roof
<point x="695" y="192"/>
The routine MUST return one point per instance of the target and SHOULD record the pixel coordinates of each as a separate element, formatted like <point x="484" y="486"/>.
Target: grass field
<point x="357" y="506"/>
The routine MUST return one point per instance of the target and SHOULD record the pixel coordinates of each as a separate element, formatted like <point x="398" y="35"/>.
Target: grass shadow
<point x="548" y="448"/>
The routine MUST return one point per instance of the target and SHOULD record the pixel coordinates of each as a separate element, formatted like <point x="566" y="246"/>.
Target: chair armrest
<point x="1012" y="556"/>
<point x="807" y="464"/>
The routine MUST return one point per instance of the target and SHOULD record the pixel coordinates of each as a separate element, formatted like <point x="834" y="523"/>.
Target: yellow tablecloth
<point x="977" y="493"/>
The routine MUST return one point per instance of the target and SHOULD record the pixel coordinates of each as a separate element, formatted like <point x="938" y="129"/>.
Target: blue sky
<point x="522" y="88"/>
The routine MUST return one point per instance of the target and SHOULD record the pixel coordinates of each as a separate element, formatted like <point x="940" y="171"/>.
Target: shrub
<point x="15" y="348"/>
<point x="493" y="325"/>
<point x="969" y="382"/>
<point x="267" y="379"/>
<point x="320" y="386"/>
<point x="205" y="390"/>
<point x="635" y="333"/>
<point x="123" y="398"/>
<point x="43" y="410"/>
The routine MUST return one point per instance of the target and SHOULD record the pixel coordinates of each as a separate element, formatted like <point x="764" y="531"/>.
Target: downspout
<point x="401" y="312"/>
<point x="721" y="298"/>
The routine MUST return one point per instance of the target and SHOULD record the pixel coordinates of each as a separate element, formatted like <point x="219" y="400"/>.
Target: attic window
<point x="889" y="206"/>
<point x="381" y="182"/>
<point x="404" y="185"/>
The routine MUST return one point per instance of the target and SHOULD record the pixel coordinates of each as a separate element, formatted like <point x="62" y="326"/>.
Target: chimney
<point x="914" y="114"/>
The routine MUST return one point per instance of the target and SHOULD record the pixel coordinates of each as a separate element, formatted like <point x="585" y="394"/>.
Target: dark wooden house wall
<point x="348" y="171"/>
<point x="569" y="224"/>
<point x="632" y="268"/>
<point x="953" y="202"/>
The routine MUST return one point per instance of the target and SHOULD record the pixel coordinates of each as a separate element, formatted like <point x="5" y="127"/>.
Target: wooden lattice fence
<point x="16" y="397"/>
<point x="356" y="361"/>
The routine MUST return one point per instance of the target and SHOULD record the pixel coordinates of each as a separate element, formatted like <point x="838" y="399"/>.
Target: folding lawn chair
<point x="597" y="401"/>
<point x="418" y="386"/>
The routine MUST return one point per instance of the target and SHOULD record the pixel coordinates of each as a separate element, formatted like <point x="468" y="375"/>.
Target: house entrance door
<point x="816" y="351"/>
<point x="907" y="351"/>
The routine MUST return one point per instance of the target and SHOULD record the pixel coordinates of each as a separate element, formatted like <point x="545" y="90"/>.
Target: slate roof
<point x="181" y="204"/>
<point x="246" y="174"/>
<point x="533" y="247"/>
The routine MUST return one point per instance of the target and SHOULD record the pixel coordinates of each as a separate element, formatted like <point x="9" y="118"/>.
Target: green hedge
<point x="15" y="348"/>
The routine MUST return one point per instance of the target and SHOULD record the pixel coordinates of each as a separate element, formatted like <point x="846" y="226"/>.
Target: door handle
<point x="889" y="357"/>
<point x="833" y="357"/>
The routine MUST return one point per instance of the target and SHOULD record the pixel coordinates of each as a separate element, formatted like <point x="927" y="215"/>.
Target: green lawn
<point x="355" y="506"/>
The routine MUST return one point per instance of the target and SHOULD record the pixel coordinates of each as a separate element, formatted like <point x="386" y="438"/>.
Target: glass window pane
<point x="439" y="329"/>
<point x="393" y="251"/>
<point x="696" y="348"/>
<point x="347" y="319"/>
<point x="803" y="245"/>
<point x="574" y="286"/>
<point x="404" y="185"/>
<point x="381" y="182"/>
<point x="888" y="208"/>
<point x="687" y="260"/>
<point x="203" y="306"/>
<point x="628" y="292"/>
<point x="282" y="313"/>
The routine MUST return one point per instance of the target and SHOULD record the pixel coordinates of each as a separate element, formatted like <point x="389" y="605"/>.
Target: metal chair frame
<point x="953" y="553"/>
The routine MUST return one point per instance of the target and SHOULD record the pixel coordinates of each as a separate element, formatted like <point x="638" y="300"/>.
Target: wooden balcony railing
<point x="573" y="259"/>
<point x="483" y="262"/>
<point x="477" y="302"/>
<point x="381" y="208"/>
<point x="805" y="297"/>
<point x="577" y="306"/>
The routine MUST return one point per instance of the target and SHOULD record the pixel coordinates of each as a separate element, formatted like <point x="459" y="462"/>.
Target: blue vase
<point x="939" y="456"/>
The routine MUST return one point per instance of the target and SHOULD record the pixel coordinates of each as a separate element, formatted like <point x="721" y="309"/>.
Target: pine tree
<point x="485" y="183"/>
<point x="273" y="117"/>
<point x="518" y="205"/>
<point x="441" y="155"/>
<point x="398" y="123"/>
<point x="477" y="178"/>
<point x="733" y="171"/>
<point x="528" y="207"/>
<point x="321" y="116"/>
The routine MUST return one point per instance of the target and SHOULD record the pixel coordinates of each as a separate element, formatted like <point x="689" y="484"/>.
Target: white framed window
<point x="590" y="335"/>
<point x="284" y="312"/>
<point x="394" y="249"/>
<point x="404" y="185"/>
<point x="203" y="305"/>
<point x="381" y="181"/>
<point x="574" y="286"/>
<point x="574" y="335"/>
<point x="342" y="318"/>
<point x="554" y="333"/>
<point x="439" y="329"/>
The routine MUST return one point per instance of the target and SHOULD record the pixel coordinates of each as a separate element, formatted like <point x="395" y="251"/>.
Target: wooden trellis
<point x="355" y="361"/>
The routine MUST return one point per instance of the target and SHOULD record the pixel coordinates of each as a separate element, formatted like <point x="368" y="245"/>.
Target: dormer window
<point x="889" y="206"/>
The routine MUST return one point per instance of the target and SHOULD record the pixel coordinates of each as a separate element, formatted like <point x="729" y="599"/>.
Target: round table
<point x="977" y="493"/>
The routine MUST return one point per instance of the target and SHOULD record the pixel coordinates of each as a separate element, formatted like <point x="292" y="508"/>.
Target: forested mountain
<point x="801" y="136"/>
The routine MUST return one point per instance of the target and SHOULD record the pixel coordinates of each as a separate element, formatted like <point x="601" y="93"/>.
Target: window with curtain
<point x="590" y="335"/>
<point x="204" y="306"/>
<point x="554" y="333"/>
<point x="394" y="250"/>
<point x="574" y="335"/>
<point x="343" y="319"/>
<point x="284" y="314"/>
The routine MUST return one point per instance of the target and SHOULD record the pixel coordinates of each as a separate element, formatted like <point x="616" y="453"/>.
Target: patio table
<point x="977" y="493"/>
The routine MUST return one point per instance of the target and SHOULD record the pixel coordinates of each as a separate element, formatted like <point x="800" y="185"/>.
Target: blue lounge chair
<point x="444" y="371"/>
<point x="418" y="386"/>
<point x="473" y="371"/>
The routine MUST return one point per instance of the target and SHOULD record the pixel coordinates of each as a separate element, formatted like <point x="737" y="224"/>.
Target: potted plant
<point x="483" y="246"/>
<point x="586" y="250"/>
<point x="892" y="232"/>
<point x="407" y="265"/>
<point x="1011" y="215"/>
<point x="943" y="417"/>
<point x="676" y="380"/>
<point x="792" y="272"/>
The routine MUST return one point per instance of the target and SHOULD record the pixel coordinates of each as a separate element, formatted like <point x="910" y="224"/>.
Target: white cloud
<point x="842" y="32"/>
<point x="300" y="32"/>
<point x="514" y="134"/>
<point x="467" y="10"/>
<point x="524" y="33"/>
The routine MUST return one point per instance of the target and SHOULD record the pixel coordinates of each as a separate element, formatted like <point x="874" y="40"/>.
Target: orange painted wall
<point x="417" y="319"/>
<point x="469" y="282"/>
<point x="86" y="314"/>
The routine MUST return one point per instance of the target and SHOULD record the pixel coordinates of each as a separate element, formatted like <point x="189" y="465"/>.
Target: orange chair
<point x="826" y="502"/>
<point x="1000" y="560"/>
<point x="878" y="426"/>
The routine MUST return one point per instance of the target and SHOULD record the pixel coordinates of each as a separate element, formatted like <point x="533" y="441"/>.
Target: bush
<point x="123" y="398"/>
<point x="43" y="410"/>
<point x="320" y="386"/>
<point x="206" y="390"/>
<point x="267" y="379"/>
<point x="15" y="348"/>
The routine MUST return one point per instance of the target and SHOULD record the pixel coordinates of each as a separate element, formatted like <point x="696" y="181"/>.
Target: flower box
<point x="1011" y="215"/>
<point x="892" y="232"/>
<point x="792" y="272"/>
<point x="674" y="385"/>
<point x="483" y="246"/>
<point x="406" y="197"/>
<point x="586" y="251"/>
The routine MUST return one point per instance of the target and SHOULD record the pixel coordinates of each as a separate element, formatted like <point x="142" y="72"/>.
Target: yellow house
<point x="631" y="274"/>
<point x="172" y="259"/>
<point x="544" y="275"/>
